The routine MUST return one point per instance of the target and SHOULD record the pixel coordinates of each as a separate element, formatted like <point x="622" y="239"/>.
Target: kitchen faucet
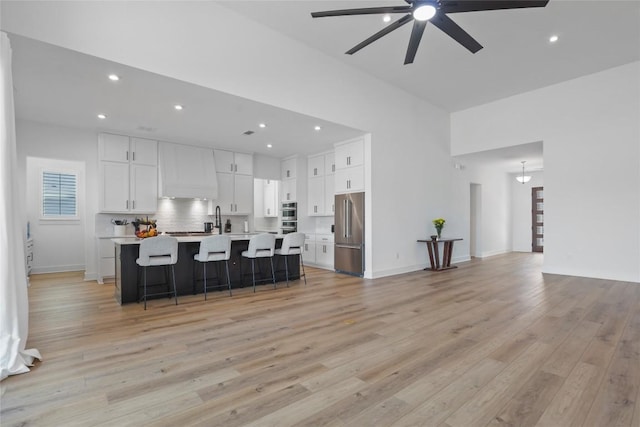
<point x="218" y="220"/>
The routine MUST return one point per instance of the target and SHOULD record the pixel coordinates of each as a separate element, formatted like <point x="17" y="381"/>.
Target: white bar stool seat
<point x="154" y="252"/>
<point x="261" y="246"/>
<point x="214" y="249"/>
<point x="292" y="244"/>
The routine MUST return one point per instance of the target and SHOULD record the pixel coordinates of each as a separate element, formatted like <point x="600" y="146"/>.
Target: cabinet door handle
<point x="133" y="155"/>
<point x="231" y="207"/>
<point x="127" y="156"/>
<point x="127" y="204"/>
<point x="235" y="167"/>
<point x="231" y="167"/>
<point x="134" y="204"/>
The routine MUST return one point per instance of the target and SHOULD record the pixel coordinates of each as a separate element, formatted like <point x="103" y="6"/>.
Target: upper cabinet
<point x="288" y="172"/>
<point x="288" y="168"/>
<point x="235" y="182"/>
<point x="230" y="162"/>
<point x="349" y="166"/>
<point x="128" y="174"/>
<point x="187" y="172"/>
<point x="270" y="198"/>
<point x="320" y="192"/>
<point x="349" y="154"/>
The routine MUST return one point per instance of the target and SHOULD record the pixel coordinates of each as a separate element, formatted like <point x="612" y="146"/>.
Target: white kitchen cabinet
<point x="321" y="184"/>
<point x="315" y="166"/>
<point x="270" y="198"/>
<point x="288" y="168"/>
<point x="235" y="182"/>
<point x="309" y="254"/>
<point x="349" y="154"/>
<point x="324" y="254"/>
<point x="288" y="193"/>
<point x="106" y="257"/>
<point x="316" y="196"/>
<point x="329" y="195"/>
<point x="349" y="180"/>
<point x="128" y="185"/>
<point x="230" y="162"/>
<point x="319" y="250"/>
<point x="235" y="194"/>
<point x="243" y="194"/>
<point x="244" y="163"/>
<point x="329" y="163"/>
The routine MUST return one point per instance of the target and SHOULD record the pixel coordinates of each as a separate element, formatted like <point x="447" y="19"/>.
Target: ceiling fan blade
<point x="362" y="11"/>
<point x="454" y="31"/>
<point x="394" y="26"/>
<point x="454" y="6"/>
<point x="414" y="41"/>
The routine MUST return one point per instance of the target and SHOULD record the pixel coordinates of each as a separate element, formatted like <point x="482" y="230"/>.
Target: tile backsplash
<point x="172" y="215"/>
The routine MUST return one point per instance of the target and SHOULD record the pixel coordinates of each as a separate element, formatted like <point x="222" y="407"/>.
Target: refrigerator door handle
<point x="344" y="219"/>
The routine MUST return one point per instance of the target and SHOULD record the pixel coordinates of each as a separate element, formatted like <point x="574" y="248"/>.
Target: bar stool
<point x="292" y="244"/>
<point x="154" y="252"/>
<point x="261" y="246"/>
<point x="214" y="249"/>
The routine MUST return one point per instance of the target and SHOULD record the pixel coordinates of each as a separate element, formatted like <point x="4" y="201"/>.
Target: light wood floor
<point x="492" y="343"/>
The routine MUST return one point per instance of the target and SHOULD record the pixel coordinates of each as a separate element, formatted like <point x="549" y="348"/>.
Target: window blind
<point x="59" y="194"/>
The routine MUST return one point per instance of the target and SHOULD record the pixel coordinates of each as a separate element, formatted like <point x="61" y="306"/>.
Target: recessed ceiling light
<point x="269" y="145"/>
<point x="386" y="18"/>
<point x="262" y="125"/>
<point x="102" y="116"/>
<point x="114" y="77"/>
<point x="178" y="107"/>
<point x="553" y="39"/>
<point x="317" y="128"/>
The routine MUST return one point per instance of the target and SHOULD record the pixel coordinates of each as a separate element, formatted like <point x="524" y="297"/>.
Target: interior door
<point x="537" y="219"/>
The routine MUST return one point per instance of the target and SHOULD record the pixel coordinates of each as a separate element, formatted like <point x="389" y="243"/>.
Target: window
<point x="59" y="195"/>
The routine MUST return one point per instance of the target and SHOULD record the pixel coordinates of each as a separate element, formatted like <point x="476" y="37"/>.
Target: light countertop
<point x="189" y="239"/>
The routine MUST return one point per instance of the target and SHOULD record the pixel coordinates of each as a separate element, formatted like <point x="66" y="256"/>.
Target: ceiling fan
<point x="435" y="11"/>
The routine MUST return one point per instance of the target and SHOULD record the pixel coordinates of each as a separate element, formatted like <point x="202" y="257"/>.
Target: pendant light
<point x="524" y="178"/>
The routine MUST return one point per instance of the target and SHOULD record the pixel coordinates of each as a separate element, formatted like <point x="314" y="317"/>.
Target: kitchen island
<point x="186" y="269"/>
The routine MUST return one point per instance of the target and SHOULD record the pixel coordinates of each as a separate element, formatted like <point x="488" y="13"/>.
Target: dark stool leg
<point x="304" y="274"/>
<point x="286" y="268"/>
<point x="273" y="272"/>
<point x="175" y="291"/>
<point x="253" y="276"/>
<point x="204" y="267"/>
<point x="226" y="262"/>
<point x="144" y="295"/>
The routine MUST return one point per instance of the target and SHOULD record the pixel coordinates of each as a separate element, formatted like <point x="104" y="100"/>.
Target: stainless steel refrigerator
<point x="349" y="234"/>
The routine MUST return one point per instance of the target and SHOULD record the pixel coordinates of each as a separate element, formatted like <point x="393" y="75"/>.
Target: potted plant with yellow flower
<point x="438" y="223"/>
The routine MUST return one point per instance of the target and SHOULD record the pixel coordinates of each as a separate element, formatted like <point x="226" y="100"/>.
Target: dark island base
<point x="128" y="274"/>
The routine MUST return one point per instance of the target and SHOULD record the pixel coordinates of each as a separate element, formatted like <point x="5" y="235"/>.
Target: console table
<point x="434" y="254"/>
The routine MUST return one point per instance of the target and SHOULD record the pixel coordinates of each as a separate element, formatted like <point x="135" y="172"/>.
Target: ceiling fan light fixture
<point x="386" y="18"/>
<point x="424" y="12"/>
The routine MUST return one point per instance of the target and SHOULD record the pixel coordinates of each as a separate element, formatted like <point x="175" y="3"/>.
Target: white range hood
<point x="187" y="172"/>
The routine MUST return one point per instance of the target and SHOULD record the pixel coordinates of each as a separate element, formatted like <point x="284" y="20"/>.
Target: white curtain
<point x="14" y="309"/>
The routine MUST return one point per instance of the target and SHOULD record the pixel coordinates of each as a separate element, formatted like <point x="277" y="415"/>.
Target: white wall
<point x="521" y="210"/>
<point x="494" y="232"/>
<point x="66" y="247"/>
<point x="591" y="132"/>
<point x="409" y="163"/>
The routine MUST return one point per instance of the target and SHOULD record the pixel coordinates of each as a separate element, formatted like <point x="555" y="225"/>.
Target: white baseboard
<point x="396" y="271"/>
<point x="57" y="269"/>
<point x="493" y="253"/>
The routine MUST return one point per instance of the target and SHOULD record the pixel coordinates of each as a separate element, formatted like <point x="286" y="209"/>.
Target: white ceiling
<point x="594" y="36"/>
<point x="61" y="86"/>
<point x="517" y="56"/>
